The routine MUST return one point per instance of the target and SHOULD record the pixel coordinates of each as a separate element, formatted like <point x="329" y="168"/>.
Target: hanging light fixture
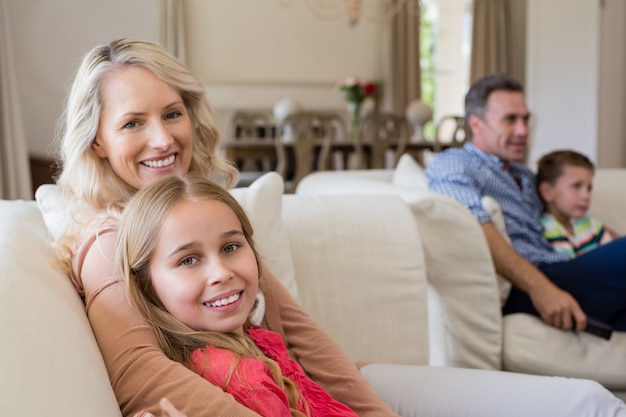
<point x="355" y="10"/>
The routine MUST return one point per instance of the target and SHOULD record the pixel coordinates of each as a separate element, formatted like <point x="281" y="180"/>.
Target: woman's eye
<point x="231" y="247"/>
<point x="130" y="125"/>
<point x="190" y="260"/>
<point x="173" y="115"/>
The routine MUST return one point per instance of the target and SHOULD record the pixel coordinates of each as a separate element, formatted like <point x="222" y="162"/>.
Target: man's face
<point x="503" y="130"/>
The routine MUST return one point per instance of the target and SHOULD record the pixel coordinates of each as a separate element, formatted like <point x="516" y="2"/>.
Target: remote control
<point x="598" y="328"/>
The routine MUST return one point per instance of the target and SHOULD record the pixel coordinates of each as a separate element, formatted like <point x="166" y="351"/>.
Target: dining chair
<point x="249" y="143"/>
<point x="452" y="130"/>
<point x="304" y="143"/>
<point x="386" y="134"/>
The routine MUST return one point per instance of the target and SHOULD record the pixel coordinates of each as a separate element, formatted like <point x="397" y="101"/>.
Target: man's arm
<point x="556" y="307"/>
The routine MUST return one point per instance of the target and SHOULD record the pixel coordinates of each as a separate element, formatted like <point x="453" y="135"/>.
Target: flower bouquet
<point x="355" y="90"/>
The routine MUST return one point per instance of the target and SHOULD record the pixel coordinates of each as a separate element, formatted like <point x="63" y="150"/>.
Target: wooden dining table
<point x="294" y="161"/>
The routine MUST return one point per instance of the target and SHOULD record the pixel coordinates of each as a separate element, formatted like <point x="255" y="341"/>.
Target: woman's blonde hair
<point x="138" y="233"/>
<point x="90" y="187"/>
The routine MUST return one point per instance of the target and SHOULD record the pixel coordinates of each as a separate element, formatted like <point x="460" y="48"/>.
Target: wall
<point x="52" y="36"/>
<point x="562" y="75"/>
<point x="251" y="54"/>
<point x="612" y="105"/>
<point x="575" y="78"/>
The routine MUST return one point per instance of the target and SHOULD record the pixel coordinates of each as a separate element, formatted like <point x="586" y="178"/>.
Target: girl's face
<point x="145" y="130"/>
<point x="570" y="196"/>
<point x="203" y="269"/>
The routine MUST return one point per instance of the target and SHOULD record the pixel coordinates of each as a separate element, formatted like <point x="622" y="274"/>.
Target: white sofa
<point x="528" y="345"/>
<point x="358" y="264"/>
<point x="392" y="282"/>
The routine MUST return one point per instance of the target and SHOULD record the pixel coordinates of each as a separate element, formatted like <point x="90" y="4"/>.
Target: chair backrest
<point x="249" y="142"/>
<point x="452" y="130"/>
<point x="245" y="125"/>
<point x="308" y="135"/>
<point x="384" y="132"/>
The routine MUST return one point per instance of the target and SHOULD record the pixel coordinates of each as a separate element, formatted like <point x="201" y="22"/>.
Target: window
<point x="445" y="49"/>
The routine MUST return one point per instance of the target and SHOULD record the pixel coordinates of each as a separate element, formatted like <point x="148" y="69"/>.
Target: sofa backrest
<point x="463" y="292"/>
<point x="608" y="200"/>
<point x="361" y="273"/>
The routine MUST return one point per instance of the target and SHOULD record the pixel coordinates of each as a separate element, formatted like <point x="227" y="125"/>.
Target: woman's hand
<point x="168" y="410"/>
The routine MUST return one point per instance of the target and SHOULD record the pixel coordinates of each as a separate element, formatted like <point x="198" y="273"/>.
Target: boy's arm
<point x="612" y="233"/>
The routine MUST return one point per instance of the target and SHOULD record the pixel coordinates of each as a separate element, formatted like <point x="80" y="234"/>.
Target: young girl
<point x="187" y="255"/>
<point x="564" y="182"/>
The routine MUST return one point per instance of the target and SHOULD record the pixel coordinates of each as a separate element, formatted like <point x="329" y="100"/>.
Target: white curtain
<point x="15" y="180"/>
<point x="172" y="28"/>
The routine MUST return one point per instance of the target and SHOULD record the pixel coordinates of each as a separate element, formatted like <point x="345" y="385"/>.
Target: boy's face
<point x="569" y="197"/>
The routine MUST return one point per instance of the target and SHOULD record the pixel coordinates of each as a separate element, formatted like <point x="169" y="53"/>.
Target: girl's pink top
<point x="252" y="384"/>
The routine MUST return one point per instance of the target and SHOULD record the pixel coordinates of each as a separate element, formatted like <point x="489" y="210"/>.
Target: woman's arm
<point x="317" y="352"/>
<point x="140" y="373"/>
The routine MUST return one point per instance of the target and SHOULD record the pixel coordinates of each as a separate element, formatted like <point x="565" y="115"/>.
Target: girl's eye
<point x="190" y="260"/>
<point x="231" y="247"/>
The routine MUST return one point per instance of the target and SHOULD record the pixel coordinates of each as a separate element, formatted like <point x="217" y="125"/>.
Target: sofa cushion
<point x="408" y="173"/>
<point x="261" y="200"/>
<point x="56" y="364"/>
<point x="531" y="346"/>
<point x="361" y="255"/>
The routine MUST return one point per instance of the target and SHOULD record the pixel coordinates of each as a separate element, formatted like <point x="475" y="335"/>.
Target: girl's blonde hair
<point x="138" y="233"/>
<point x="90" y="187"/>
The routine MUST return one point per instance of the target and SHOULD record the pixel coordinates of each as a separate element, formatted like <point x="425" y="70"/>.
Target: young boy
<point x="564" y="181"/>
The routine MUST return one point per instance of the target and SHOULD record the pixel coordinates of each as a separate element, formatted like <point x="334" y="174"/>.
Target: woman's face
<point x="145" y="130"/>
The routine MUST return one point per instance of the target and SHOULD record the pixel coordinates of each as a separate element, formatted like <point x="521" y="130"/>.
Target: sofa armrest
<point x="464" y="302"/>
<point x="50" y="362"/>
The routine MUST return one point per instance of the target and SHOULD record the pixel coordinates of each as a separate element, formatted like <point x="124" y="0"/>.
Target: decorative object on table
<point x="281" y="110"/>
<point x="355" y="90"/>
<point x="418" y="114"/>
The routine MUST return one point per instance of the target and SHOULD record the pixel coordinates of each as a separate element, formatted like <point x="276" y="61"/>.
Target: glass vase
<point x="354" y="115"/>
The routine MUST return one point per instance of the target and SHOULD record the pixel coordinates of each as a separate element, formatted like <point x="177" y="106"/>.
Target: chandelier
<point x="354" y="10"/>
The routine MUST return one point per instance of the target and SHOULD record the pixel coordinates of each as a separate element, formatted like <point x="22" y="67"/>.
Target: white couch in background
<point x="528" y="345"/>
